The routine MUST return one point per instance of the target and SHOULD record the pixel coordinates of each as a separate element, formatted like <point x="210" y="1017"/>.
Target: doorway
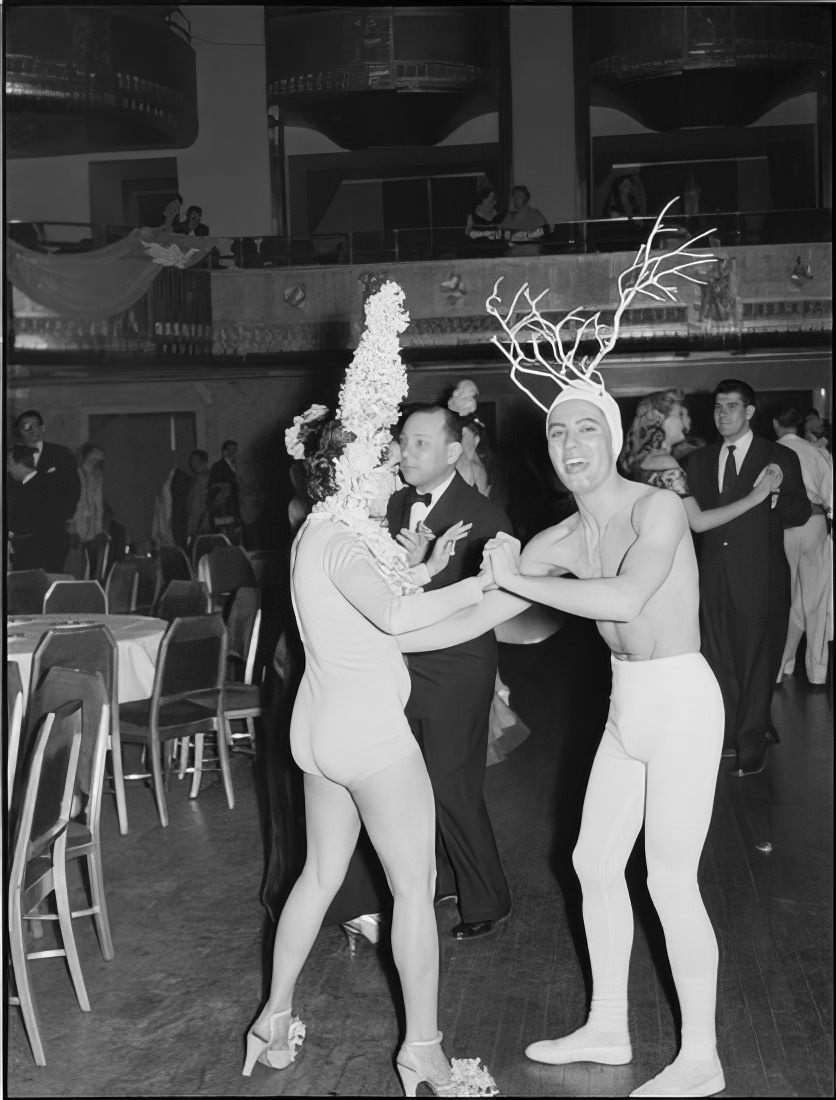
<point x="140" y="451"/>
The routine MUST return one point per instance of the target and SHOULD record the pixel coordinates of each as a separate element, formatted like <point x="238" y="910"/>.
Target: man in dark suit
<point x="224" y="507"/>
<point x="744" y="576"/>
<point x="450" y="703"/>
<point x="50" y="496"/>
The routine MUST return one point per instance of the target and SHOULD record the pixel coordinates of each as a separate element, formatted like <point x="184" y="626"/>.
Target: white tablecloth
<point x="137" y="637"/>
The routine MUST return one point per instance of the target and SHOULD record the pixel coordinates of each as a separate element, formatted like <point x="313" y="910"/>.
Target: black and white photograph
<point x="418" y="528"/>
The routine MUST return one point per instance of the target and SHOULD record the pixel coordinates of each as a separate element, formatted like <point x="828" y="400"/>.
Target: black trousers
<point x="743" y="648"/>
<point x="454" y="741"/>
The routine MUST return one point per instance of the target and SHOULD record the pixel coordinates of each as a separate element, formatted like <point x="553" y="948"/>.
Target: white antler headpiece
<point x="524" y="323"/>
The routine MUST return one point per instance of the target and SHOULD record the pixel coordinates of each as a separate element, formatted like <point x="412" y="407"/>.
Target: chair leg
<point x="94" y="870"/>
<point x="65" y="920"/>
<point x="159" y="790"/>
<point x="251" y="732"/>
<point x="184" y="757"/>
<point x="197" y="774"/>
<point x="223" y="757"/>
<point x="115" y="746"/>
<point x="20" y="966"/>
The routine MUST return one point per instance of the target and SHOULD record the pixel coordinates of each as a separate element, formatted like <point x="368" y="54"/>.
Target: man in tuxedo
<point x="50" y="497"/>
<point x="450" y="702"/>
<point x="744" y="576"/>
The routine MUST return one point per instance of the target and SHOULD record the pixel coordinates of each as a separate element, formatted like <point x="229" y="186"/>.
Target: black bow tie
<point x="414" y="497"/>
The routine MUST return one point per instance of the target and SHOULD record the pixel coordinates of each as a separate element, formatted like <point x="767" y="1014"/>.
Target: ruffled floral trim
<point x="295" y="1036"/>
<point x="470" y="1078"/>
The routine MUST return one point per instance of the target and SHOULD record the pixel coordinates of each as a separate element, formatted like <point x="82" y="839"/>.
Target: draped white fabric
<point x="98" y="284"/>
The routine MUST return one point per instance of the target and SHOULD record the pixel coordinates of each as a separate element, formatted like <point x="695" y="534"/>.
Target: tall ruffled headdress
<point x="374" y="386"/>
<point x="555" y="352"/>
<point x="369" y="403"/>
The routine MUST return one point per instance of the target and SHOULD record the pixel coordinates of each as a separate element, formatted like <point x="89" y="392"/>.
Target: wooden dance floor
<point x="169" y="1013"/>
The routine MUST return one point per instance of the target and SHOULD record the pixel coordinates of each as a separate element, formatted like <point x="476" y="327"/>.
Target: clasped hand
<point x="501" y="559"/>
<point x="416" y="542"/>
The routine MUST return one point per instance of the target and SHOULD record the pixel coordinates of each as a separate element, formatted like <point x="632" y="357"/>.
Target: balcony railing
<point x="450" y="242"/>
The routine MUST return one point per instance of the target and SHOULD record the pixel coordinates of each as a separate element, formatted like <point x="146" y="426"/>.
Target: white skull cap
<point x="603" y="401"/>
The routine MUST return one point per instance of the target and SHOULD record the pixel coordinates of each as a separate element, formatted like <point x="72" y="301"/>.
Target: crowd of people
<point x="56" y="508"/>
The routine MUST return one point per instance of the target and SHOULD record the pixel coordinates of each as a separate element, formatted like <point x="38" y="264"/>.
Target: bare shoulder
<point x="554" y="548"/>
<point x="658" y="508"/>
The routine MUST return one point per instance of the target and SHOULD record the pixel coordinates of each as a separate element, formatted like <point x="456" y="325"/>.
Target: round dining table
<point x="137" y="638"/>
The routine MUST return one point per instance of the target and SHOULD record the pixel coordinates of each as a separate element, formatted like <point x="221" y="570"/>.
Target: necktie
<point x="729" y="474"/>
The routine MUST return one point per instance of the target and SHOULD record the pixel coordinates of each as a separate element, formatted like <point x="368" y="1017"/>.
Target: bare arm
<point x="354" y="572"/>
<point x="699" y="520"/>
<point x="660" y="521"/>
<point x="494" y="609"/>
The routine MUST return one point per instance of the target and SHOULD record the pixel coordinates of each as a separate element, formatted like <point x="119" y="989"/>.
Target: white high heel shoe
<point x="367" y="925"/>
<point x="420" y="1061"/>
<point x="278" y="1050"/>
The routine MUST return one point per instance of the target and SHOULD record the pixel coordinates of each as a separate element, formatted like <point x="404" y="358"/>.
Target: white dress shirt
<point x="419" y="511"/>
<point x="741" y="449"/>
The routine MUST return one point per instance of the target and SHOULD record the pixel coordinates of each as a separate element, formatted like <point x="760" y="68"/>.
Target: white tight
<point x="657" y="762"/>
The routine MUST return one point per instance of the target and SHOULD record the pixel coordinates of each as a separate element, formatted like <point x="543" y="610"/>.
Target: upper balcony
<point x="86" y="294"/>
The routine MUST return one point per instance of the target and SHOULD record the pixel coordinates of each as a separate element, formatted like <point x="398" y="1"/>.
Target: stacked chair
<point x="182" y="598"/>
<point x="38" y="856"/>
<point x="83" y="841"/>
<point x="88" y="648"/>
<point x="186" y="701"/>
<point x="242" y="688"/>
<point x="174" y="565"/>
<point x="224" y="570"/>
<point x="25" y="591"/>
<point x="75" y="597"/>
<point x="203" y="544"/>
<point x="14" y="722"/>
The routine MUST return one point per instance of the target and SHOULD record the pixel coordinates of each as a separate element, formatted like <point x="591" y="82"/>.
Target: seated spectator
<point x="483" y="220"/>
<point x="626" y="198"/>
<point x="193" y="225"/>
<point x="523" y="224"/>
<point x="171" y="215"/>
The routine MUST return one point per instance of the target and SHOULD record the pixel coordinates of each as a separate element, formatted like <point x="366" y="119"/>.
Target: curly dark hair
<point x="326" y="441"/>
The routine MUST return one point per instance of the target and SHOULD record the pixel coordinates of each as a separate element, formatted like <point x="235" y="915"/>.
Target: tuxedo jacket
<point x="50" y="498"/>
<point x="459" y="501"/>
<point x="748" y="551"/>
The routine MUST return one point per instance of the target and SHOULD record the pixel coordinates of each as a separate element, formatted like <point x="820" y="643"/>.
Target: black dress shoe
<point x="752" y="765"/>
<point x="470" y="930"/>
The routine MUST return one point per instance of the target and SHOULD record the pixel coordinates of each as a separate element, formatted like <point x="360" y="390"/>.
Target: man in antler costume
<point x="631" y="566"/>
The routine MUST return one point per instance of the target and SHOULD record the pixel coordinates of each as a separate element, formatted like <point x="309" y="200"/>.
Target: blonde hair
<point x="647" y="432"/>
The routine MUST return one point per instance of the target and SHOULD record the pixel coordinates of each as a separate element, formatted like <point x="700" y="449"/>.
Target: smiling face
<point x="580" y="445"/>
<point x="732" y="415"/>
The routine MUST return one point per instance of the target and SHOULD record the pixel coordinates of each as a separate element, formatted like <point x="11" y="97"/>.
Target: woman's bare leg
<point x="332" y="825"/>
<point x="398" y="810"/>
